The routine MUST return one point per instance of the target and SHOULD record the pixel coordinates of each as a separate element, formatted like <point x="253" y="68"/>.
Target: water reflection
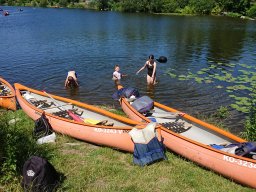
<point x="151" y="91"/>
<point x="41" y="44"/>
<point x="73" y="92"/>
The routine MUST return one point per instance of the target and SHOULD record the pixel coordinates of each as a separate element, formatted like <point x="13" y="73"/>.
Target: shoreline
<point x="86" y="7"/>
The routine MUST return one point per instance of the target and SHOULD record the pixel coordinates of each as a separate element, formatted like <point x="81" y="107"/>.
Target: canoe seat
<point x="177" y="127"/>
<point x="41" y="103"/>
<point x="105" y="122"/>
<point x="63" y="114"/>
<point x="77" y="111"/>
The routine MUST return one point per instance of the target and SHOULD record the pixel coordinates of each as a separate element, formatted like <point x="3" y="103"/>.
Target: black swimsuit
<point x="150" y="69"/>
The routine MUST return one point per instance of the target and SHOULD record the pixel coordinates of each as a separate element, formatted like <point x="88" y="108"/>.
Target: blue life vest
<point x="147" y="148"/>
<point x="145" y="154"/>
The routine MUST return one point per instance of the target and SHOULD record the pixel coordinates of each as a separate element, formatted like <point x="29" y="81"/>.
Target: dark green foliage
<point x="128" y="6"/>
<point x="239" y="6"/>
<point x="202" y="6"/>
<point x="101" y="5"/>
<point x="250" y="124"/>
<point x="62" y="3"/>
<point x="222" y="113"/>
<point x="182" y="3"/>
<point x="43" y="3"/>
<point x="148" y="6"/>
<point x="252" y="11"/>
<point x="170" y="6"/>
<point x="17" y="145"/>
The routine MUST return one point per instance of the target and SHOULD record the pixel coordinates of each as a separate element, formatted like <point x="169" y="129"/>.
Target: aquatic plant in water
<point x="236" y="79"/>
<point x="250" y="123"/>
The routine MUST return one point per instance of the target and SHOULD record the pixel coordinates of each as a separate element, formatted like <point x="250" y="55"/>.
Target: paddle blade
<point x="75" y="117"/>
<point x="162" y="59"/>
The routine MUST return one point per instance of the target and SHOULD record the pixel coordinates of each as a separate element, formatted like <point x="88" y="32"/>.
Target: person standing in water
<point x="151" y="66"/>
<point x="71" y="80"/>
<point x="117" y="76"/>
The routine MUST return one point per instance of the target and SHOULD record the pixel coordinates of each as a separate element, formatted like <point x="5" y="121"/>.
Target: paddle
<point x="56" y="106"/>
<point x="166" y="114"/>
<point x="162" y="59"/>
<point x="70" y="113"/>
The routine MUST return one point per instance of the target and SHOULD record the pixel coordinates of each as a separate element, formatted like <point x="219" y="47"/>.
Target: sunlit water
<point x="39" y="46"/>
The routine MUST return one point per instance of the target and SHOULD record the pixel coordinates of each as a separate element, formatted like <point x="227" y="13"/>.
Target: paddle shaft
<point x="55" y="102"/>
<point x="167" y="115"/>
<point x="165" y="112"/>
<point x="70" y="113"/>
<point x="56" y="106"/>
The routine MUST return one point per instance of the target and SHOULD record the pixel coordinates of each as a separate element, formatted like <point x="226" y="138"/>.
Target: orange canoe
<point x="191" y="138"/>
<point x="7" y="95"/>
<point x="114" y="133"/>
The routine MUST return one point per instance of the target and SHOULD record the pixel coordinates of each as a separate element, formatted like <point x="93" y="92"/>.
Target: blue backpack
<point x="125" y="92"/>
<point x="245" y="149"/>
<point x="143" y="104"/>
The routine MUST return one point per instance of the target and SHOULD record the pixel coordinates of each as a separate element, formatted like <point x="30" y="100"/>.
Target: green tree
<point x="129" y="5"/>
<point x="102" y="4"/>
<point x="170" y="6"/>
<point x="2" y="2"/>
<point x="239" y="6"/>
<point x="43" y="3"/>
<point x="252" y="11"/>
<point x="182" y="3"/>
<point x="10" y="3"/>
<point x="63" y="3"/>
<point x="250" y="124"/>
<point x="202" y="6"/>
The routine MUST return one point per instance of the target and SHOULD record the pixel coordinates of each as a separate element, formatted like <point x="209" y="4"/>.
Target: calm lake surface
<point x="39" y="46"/>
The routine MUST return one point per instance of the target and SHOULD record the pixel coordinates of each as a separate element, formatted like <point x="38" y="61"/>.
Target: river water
<point x="40" y="45"/>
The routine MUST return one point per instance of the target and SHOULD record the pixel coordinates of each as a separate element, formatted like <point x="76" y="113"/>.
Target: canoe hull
<point x="233" y="167"/>
<point x="8" y="102"/>
<point x="100" y="135"/>
<point x="240" y="169"/>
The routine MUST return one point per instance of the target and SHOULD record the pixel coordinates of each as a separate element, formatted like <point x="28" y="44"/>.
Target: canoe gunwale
<point x="237" y="168"/>
<point x="193" y="141"/>
<point x="132" y="123"/>
<point x="188" y="117"/>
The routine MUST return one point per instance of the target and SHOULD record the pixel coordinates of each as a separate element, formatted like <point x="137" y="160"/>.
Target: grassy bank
<point x="87" y="167"/>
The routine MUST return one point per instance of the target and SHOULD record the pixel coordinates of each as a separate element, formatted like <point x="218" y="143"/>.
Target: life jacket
<point x="147" y="148"/>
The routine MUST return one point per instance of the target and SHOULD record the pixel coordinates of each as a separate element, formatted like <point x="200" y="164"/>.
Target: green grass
<point x="87" y="167"/>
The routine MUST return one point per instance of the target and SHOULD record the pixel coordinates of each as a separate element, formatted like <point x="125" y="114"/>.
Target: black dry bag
<point x="39" y="175"/>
